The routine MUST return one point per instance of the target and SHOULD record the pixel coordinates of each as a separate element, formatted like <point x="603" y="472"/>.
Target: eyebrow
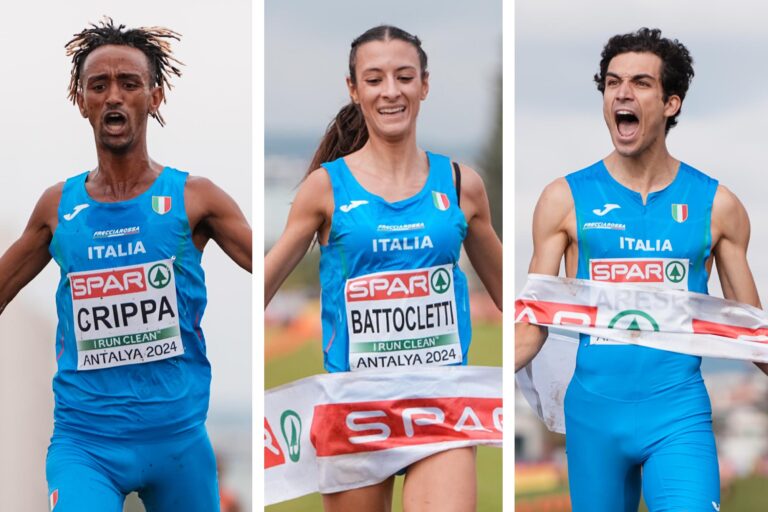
<point x="120" y="76"/>
<point x="639" y="76"/>
<point x="401" y="68"/>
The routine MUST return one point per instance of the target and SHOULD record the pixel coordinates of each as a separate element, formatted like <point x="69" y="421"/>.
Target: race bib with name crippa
<point x="402" y="318"/>
<point x="125" y="315"/>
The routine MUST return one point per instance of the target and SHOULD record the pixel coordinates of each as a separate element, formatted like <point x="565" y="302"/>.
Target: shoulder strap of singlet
<point x="457" y="182"/>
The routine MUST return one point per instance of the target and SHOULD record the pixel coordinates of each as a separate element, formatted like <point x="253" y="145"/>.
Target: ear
<point x="424" y="85"/>
<point x="352" y="91"/>
<point x="156" y="98"/>
<point x="672" y="105"/>
<point x="81" y="104"/>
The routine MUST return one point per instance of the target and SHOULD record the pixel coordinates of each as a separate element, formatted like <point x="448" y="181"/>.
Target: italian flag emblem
<point x="161" y="204"/>
<point x="679" y="212"/>
<point x="440" y="200"/>
<point x="53" y="499"/>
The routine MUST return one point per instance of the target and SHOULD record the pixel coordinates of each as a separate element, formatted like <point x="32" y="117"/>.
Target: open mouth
<point x="115" y="120"/>
<point x="627" y="123"/>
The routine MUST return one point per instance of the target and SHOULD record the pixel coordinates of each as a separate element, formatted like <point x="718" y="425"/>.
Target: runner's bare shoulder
<point x="316" y="191"/>
<point x="46" y="210"/>
<point x="554" y="207"/>
<point x="729" y="217"/>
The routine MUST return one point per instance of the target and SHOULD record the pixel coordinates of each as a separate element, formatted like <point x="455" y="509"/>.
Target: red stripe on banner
<point x="339" y="429"/>
<point x="728" y="331"/>
<point x="554" y="313"/>
<point x="273" y="454"/>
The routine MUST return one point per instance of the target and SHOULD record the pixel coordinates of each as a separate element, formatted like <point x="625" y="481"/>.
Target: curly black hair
<point x="676" y="62"/>
<point x="152" y="41"/>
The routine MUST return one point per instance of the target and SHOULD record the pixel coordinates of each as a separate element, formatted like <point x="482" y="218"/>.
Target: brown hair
<point x="347" y="132"/>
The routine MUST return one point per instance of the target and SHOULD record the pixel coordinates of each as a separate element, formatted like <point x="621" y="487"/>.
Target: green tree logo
<point x="440" y="280"/>
<point x="159" y="276"/>
<point x="633" y="320"/>
<point x="290" y="424"/>
<point x="675" y="271"/>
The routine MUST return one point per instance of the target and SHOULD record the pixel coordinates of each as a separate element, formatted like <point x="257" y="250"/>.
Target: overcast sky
<point x="44" y="140"/>
<point x="559" y="125"/>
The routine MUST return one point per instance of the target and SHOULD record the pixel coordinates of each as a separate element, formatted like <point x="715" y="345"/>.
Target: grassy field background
<point x="307" y="360"/>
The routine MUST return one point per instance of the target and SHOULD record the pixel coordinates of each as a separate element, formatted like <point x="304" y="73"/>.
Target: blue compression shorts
<point x="94" y="474"/>
<point x="666" y="437"/>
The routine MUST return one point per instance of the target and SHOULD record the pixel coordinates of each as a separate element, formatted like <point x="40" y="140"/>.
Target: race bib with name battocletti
<point x="402" y="318"/>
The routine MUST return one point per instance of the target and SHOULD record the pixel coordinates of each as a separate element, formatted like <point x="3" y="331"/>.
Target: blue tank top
<point x="666" y="243"/>
<point x="131" y="355"/>
<point x="392" y="291"/>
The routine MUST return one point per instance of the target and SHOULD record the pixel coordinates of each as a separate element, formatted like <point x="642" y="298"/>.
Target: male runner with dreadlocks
<point x="133" y="381"/>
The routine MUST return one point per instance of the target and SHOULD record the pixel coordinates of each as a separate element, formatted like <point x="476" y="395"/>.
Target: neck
<point x="647" y="172"/>
<point x="122" y="176"/>
<point x="398" y="158"/>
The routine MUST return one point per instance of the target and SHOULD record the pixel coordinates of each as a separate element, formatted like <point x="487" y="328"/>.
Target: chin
<point x="117" y="147"/>
<point x="396" y="132"/>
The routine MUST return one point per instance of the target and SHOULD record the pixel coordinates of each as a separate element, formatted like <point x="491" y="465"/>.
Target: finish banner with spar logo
<point x="640" y="314"/>
<point x="341" y="431"/>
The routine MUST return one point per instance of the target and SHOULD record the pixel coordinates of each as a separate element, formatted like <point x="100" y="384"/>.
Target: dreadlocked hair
<point x="154" y="42"/>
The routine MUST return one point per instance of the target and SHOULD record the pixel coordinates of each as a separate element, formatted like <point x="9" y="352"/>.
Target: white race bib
<point x="402" y="318"/>
<point x="125" y="315"/>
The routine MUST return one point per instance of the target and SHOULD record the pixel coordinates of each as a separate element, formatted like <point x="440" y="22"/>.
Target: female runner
<point x="379" y="204"/>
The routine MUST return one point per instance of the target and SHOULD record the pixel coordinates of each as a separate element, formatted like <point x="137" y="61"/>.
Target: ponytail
<point x="345" y="134"/>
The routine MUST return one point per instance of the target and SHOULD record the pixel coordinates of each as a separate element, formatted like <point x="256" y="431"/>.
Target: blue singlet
<point x="630" y="407"/>
<point x="392" y="291"/>
<point x="132" y="369"/>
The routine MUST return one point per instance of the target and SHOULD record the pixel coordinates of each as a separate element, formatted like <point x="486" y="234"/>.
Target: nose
<point x="625" y="91"/>
<point x="114" y="94"/>
<point x="391" y="89"/>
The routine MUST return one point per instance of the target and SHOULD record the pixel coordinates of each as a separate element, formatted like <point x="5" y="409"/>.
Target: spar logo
<point x="633" y="320"/>
<point x="88" y="285"/>
<point x="675" y="271"/>
<point x="392" y="285"/>
<point x="159" y="275"/>
<point x="339" y="429"/>
<point x="632" y="270"/>
<point x="273" y="454"/>
<point x="440" y="280"/>
<point x="290" y="425"/>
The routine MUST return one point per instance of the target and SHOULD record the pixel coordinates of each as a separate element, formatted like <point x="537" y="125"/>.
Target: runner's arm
<point x="481" y="243"/>
<point x="216" y="216"/>
<point x="550" y="241"/>
<point x="731" y="230"/>
<point x="311" y="209"/>
<point x="29" y="255"/>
